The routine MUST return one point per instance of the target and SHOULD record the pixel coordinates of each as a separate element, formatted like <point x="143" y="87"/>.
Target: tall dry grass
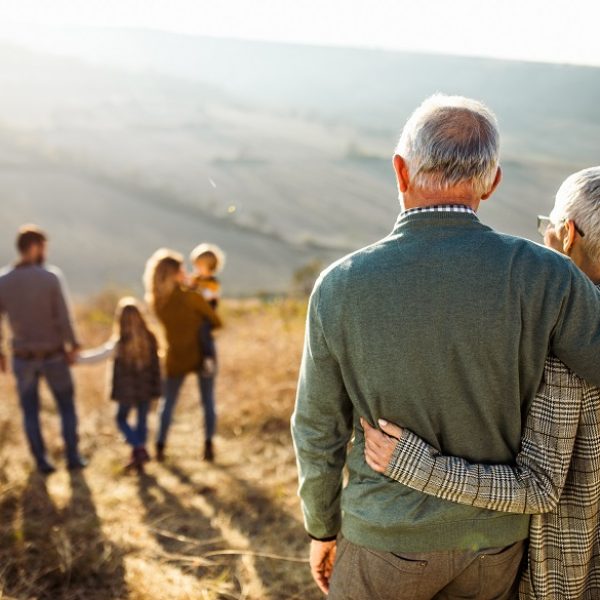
<point x="186" y="529"/>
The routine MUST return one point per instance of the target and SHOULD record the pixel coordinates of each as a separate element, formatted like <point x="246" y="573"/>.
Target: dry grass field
<point x="186" y="529"/>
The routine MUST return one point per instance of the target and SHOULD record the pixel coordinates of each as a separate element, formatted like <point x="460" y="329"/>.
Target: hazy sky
<point x="547" y="30"/>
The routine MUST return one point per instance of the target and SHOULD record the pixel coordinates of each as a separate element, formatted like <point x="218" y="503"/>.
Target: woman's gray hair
<point x="578" y="199"/>
<point x="450" y="140"/>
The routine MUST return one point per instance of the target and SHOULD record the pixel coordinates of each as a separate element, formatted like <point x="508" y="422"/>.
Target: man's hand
<point x="322" y="557"/>
<point x="380" y="445"/>
<point x="3" y="364"/>
<point x="72" y="356"/>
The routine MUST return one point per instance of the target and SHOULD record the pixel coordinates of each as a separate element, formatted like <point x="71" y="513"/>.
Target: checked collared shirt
<point x="455" y="208"/>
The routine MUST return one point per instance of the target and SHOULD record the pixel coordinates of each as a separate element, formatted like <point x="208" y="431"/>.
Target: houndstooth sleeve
<point x="533" y="485"/>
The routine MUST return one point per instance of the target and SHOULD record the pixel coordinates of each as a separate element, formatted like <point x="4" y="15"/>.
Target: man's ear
<point x="495" y="184"/>
<point x="401" y="173"/>
<point x="568" y="238"/>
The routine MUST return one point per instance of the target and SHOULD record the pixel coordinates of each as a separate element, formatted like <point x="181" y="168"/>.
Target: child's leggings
<point x="136" y="435"/>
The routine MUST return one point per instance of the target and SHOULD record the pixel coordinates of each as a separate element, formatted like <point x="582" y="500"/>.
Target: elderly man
<point x="443" y="326"/>
<point x="44" y="342"/>
<point x="556" y="473"/>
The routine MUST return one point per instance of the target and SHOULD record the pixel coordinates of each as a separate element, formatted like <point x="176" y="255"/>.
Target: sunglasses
<point x="543" y="223"/>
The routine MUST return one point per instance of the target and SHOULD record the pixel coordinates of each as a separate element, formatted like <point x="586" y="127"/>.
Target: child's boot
<point x="144" y="454"/>
<point x="132" y="463"/>
<point x="209" y="367"/>
<point x="138" y="454"/>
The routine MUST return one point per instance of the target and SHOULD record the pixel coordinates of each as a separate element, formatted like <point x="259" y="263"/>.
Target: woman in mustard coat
<point x="182" y="312"/>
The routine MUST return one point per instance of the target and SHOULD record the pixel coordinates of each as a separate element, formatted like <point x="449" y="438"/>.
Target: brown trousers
<point x="363" y="574"/>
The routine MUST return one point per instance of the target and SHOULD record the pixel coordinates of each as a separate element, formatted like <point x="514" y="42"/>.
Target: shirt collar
<point x="454" y="208"/>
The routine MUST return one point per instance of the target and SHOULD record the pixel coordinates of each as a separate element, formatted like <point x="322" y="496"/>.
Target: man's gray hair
<point x="450" y="140"/>
<point x="578" y="199"/>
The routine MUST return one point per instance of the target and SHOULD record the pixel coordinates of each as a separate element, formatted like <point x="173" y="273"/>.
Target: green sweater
<point x="442" y="327"/>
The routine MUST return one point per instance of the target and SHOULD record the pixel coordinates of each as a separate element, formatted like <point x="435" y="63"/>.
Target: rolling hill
<point x="119" y="142"/>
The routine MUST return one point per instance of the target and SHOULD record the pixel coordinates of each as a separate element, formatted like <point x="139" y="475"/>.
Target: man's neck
<point x="28" y="263"/>
<point x="423" y="198"/>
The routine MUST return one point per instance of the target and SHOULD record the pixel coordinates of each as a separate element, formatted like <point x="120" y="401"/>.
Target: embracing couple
<point x="463" y="365"/>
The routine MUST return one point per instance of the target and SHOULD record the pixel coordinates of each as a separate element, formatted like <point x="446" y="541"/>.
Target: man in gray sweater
<point x="442" y="327"/>
<point x="43" y="345"/>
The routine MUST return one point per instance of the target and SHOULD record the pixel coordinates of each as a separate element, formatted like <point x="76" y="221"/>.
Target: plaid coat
<point x="134" y="386"/>
<point x="556" y="478"/>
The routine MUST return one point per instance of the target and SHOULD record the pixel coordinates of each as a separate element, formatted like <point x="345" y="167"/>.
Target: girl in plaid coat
<point x="135" y="375"/>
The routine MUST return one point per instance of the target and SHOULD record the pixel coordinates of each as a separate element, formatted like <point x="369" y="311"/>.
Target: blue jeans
<point x="134" y="436"/>
<point x="57" y="374"/>
<point x="172" y="386"/>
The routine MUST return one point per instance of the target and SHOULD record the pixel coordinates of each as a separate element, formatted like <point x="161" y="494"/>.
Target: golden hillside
<point x="186" y="529"/>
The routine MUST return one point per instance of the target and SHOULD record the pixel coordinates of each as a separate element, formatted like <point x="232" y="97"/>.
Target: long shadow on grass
<point x="56" y="554"/>
<point x="98" y="563"/>
<point x="184" y="533"/>
<point x="269" y="529"/>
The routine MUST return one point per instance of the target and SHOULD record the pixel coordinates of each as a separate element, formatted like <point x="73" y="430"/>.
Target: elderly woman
<point x="556" y="476"/>
<point x="182" y="313"/>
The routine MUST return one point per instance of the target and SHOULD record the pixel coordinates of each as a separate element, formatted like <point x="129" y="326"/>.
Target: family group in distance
<point x="33" y="297"/>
